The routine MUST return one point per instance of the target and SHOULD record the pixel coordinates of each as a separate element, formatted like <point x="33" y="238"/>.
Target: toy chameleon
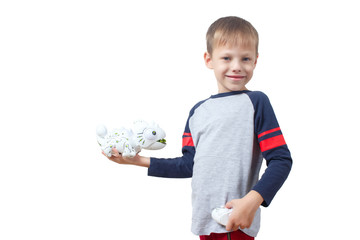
<point x="129" y="142"/>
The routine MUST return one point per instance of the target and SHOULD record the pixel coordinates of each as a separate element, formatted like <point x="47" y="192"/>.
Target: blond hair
<point x="231" y="31"/>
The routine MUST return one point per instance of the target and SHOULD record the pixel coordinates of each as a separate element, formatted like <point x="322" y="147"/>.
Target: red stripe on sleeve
<point x="271" y="143"/>
<point x="269" y="131"/>
<point x="187" y="142"/>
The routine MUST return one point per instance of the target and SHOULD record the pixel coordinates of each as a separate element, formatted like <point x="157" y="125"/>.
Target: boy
<point x="226" y="137"/>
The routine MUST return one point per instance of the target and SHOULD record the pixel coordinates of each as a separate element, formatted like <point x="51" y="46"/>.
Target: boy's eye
<point x="246" y="59"/>
<point x="226" y="58"/>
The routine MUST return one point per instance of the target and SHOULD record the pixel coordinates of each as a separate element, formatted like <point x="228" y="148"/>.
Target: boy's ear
<point x="208" y="61"/>
<point x="256" y="59"/>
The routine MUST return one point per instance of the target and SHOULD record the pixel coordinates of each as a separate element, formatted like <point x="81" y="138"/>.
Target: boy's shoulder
<point x="258" y="98"/>
<point x="257" y="95"/>
<point x="197" y="105"/>
<point x="253" y="95"/>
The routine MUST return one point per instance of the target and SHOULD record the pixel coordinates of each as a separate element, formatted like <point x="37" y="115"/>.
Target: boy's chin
<point x="231" y="89"/>
<point x="231" y="86"/>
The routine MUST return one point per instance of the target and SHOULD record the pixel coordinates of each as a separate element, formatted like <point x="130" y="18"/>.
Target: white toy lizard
<point x="129" y="142"/>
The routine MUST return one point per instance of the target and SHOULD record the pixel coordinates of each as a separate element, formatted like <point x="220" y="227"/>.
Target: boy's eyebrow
<point x="243" y="53"/>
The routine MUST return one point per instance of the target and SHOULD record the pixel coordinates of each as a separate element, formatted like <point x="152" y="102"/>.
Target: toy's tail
<point x="101" y="131"/>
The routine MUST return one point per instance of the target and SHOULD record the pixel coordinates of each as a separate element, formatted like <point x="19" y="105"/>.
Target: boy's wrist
<point x="255" y="198"/>
<point x="141" y="161"/>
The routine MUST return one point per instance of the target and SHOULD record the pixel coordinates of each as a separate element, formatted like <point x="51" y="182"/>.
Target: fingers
<point x="229" y="205"/>
<point x="238" y="218"/>
<point x="115" y="152"/>
<point x="233" y="226"/>
<point x="229" y="226"/>
<point x="115" y="155"/>
<point x="230" y="223"/>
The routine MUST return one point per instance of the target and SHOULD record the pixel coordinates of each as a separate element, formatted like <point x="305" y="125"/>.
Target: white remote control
<point x="221" y="215"/>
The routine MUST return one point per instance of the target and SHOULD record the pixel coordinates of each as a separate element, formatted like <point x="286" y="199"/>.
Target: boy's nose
<point x="236" y="67"/>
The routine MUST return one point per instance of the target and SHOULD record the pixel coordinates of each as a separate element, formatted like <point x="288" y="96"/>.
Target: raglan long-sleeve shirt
<point x="225" y="140"/>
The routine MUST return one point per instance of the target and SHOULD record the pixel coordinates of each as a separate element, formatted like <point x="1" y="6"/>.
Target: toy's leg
<point x="129" y="151"/>
<point x="107" y="150"/>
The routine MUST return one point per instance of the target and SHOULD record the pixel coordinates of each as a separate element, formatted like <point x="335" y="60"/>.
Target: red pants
<point x="237" y="235"/>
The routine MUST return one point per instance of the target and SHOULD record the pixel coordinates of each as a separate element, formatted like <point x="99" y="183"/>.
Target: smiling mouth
<point x="235" y="77"/>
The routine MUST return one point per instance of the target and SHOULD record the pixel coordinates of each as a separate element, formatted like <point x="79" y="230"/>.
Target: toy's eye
<point x="150" y="134"/>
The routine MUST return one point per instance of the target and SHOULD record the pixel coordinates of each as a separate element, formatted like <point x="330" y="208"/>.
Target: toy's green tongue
<point x="162" y="141"/>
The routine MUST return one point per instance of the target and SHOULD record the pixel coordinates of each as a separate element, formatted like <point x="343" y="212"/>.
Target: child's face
<point x="233" y="66"/>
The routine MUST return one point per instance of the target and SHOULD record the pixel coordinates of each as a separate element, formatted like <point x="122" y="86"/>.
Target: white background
<point x="66" y="66"/>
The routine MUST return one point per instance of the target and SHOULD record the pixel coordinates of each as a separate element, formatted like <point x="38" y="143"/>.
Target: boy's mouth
<point x="235" y="77"/>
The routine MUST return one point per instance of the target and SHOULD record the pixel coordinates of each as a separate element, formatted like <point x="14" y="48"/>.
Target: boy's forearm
<point x="179" y="167"/>
<point x="140" y="161"/>
<point x="144" y="161"/>
<point x="271" y="181"/>
<point x="255" y="198"/>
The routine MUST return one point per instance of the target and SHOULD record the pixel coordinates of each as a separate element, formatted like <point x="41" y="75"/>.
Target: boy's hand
<point x="244" y="210"/>
<point x="137" y="160"/>
<point x="116" y="157"/>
